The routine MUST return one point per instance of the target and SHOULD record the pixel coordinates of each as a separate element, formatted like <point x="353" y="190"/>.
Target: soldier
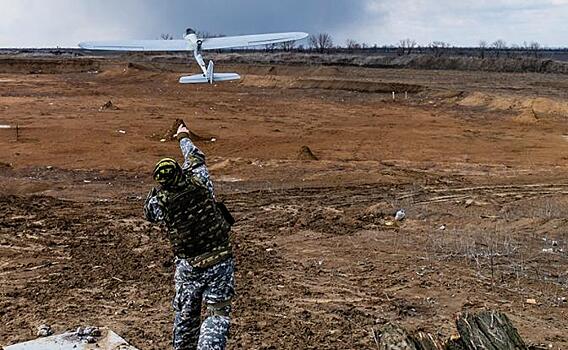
<point x="199" y="233"/>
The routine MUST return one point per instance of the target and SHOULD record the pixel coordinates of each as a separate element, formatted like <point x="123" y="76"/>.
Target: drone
<point x="191" y="42"/>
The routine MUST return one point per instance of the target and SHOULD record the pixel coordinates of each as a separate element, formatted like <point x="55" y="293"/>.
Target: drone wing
<point x="137" y="45"/>
<point x="250" y="40"/>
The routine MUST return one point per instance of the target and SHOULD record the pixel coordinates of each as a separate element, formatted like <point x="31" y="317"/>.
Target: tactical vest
<point x="196" y="227"/>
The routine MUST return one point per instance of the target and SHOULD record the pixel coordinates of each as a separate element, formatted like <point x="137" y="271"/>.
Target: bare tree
<point x="287" y="45"/>
<point x="482" y="48"/>
<point x="534" y="48"/>
<point x="499" y="45"/>
<point x="406" y="46"/>
<point x="352" y="44"/>
<point x="321" y="42"/>
<point x="166" y="36"/>
<point x="439" y="48"/>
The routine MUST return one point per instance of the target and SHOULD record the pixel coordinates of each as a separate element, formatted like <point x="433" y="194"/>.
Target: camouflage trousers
<point x="213" y="286"/>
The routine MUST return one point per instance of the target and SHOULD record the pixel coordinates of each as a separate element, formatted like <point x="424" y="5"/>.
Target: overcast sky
<point x="50" y="23"/>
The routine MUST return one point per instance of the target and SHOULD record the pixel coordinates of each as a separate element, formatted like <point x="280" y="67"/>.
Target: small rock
<point x="93" y="331"/>
<point x="108" y="106"/>
<point x="555" y="243"/>
<point x="548" y="250"/>
<point x="442" y="227"/>
<point x="122" y="132"/>
<point x="44" y="330"/>
<point x="400" y="215"/>
<point x="89" y="340"/>
<point x="88" y="331"/>
<point x="531" y="301"/>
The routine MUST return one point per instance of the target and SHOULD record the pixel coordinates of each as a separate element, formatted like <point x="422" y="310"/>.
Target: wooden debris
<point x="396" y="338"/>
<point x="487" y="330"/>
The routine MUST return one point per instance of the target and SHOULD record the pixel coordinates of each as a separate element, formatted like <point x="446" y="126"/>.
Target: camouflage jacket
<point x="196" y="228"/>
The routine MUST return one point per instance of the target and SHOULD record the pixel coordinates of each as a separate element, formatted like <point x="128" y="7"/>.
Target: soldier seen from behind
<point x="198" y="229"/>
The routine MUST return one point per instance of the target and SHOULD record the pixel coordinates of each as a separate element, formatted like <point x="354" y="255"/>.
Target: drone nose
<point x="189" y="31"/>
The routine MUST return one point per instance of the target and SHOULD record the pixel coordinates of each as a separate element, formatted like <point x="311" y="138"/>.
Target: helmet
<point x="167" y="172"/>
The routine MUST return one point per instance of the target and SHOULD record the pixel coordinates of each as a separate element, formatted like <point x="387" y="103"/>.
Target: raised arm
<point x="194" y="160"/>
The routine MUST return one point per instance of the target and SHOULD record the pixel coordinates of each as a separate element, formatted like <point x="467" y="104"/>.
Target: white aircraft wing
<point x="137" y="45"/>
<point x="250" y="40"/>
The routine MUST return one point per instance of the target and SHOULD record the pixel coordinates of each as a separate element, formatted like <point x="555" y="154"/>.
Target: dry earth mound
<point x="306" y="153"/>
<point x="490" y="64"/>
<point x="528" y="109"/>
<point x="171" y="132"/>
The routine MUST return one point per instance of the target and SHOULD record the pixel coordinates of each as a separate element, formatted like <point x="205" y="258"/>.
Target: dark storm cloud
<point x="43" y="23"/>
<point x="254" y="16"/>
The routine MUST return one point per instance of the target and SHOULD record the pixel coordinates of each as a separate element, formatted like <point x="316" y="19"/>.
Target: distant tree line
<point x="324" y="43"/>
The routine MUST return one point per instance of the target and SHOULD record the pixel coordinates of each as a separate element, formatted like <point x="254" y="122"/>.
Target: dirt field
<point x="477" y="160"/>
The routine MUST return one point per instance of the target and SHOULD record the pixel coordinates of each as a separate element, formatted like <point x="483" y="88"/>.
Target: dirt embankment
<point x="421" y="61"/>
<point x="176" y="62"/>
<point x="48" y="65"/>
<point x="528" y="110"/>
<point x="492" y="64"/>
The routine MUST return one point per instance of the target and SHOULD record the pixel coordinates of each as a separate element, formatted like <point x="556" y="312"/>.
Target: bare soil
<point x="321" y="264"/>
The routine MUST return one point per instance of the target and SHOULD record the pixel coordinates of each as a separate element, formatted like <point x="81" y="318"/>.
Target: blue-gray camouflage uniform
<point x="204" y="272"/>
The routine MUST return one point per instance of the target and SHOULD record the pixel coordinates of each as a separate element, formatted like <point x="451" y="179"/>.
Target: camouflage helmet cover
<point x="167" y="172"/>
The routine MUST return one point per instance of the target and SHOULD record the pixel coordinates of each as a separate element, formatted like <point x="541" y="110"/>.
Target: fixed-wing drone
<point x="192" y="43"/>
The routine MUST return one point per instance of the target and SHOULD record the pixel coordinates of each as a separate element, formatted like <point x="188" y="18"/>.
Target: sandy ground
<point x="319" y="267"/>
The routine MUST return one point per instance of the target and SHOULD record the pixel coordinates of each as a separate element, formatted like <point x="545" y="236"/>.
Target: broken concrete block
<point x="105" y="340"/>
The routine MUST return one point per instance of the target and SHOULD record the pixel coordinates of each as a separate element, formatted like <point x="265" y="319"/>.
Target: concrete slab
<point x="108" y="340"/>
